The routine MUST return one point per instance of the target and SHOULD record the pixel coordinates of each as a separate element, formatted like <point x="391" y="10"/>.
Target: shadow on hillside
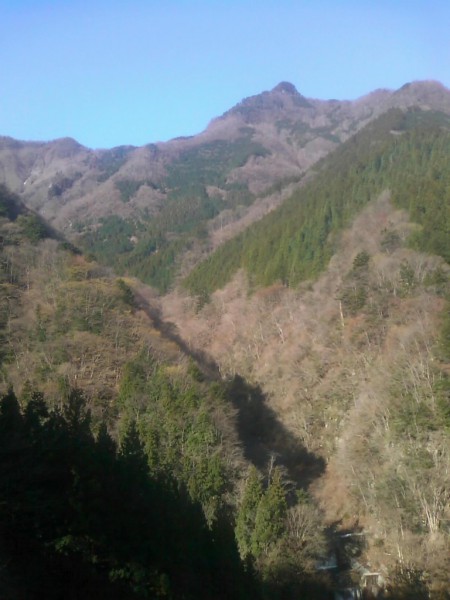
<point x="262" y="436"/>
<point x="169" y="331"/>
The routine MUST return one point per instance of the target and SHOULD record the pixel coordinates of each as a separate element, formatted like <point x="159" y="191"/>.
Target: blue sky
<point x="115" y="72"/>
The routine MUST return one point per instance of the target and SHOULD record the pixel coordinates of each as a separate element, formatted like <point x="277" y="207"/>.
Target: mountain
<point x="82" y="509"/>
<point x="337" y="305"/>
<point x="154" y="211"/>
<point x="295" y="242"/>
<point x="288" y="391"/>
<point x="123" y="453"/>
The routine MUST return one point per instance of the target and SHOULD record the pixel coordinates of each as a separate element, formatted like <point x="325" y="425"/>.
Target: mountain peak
<point x="425" y="94"/>
<point x="283" y="98"/>
<point x="286" y="88"/>
<point x="427" y="84"/>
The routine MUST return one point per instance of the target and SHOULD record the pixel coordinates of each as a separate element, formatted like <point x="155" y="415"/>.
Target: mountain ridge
<point x="315" y="347"/>
<point x="242" y="165"/>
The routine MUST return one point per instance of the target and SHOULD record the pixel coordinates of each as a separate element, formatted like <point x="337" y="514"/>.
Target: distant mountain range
<point x="241" y="166"/>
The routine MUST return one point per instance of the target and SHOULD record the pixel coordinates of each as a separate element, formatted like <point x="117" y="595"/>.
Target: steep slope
<point x="354" y="361"/>
<point x="176" y="460"/>
<point x="324" y="326"/>
<point x="405" y="152"/>
<point x="67" y="324"/>
<point x="82" y="517"/>
<point x="153" y="211"/>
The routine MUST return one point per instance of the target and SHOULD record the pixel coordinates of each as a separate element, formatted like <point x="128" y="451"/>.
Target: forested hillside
<point x="196" y="189"/>
<point x="122" y="460"/>
<point x="155" y="211"/>
<point x="82" y="517"/>
<point x="354" y="361"/>
<point x="81" y="513"/>
<point x="406" y="153"/>
<point x="271" y="419"/>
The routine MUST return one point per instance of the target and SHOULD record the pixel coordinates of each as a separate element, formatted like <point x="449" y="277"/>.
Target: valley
<point x="260" y="314"/>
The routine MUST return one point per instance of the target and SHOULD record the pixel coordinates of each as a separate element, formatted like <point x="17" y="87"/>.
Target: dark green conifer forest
<point x="405" y="153"/>
<point x="81" y="517"/>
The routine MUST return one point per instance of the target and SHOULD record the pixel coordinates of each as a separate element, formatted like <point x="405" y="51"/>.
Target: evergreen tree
<point x="270" y="516"/>
<point x="79" y="521"/>
<point x="245" y="521"/>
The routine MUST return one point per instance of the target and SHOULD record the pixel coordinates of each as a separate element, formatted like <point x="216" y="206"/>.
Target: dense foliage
<point x="9" y="205"/>
<point x="159" y="240"/>
<point x="80" y="518"/>
<point x="177" y="420"/>
<point x="83" y="527"/>
<point x="400" y="152"/>
<point x="31" y="225"/>
<point x="169" y="505"/>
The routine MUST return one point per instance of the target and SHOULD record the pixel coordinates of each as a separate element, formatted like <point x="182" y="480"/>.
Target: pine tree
<point x="270" y="516"/>
<point x="245" y="522"/>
